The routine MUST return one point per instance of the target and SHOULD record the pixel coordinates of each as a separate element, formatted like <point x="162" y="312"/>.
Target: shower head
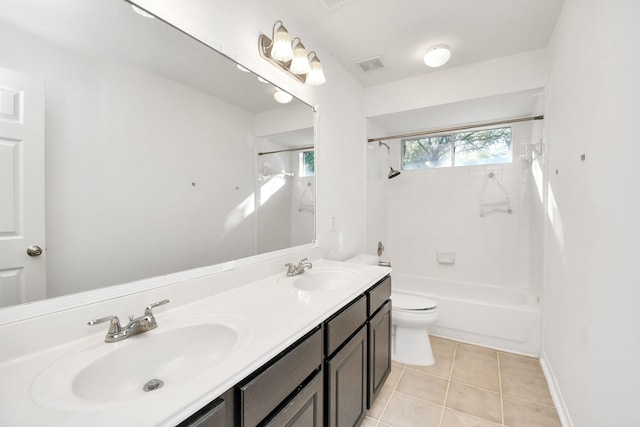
<point x="392" y="172"/>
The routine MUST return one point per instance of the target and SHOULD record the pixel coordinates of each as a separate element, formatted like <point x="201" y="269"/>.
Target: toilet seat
<point x="412" y="303"/>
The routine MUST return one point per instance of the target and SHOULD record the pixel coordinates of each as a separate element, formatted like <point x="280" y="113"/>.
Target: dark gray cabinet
<point x="379" y="337"/>
<point x="379" y="364"/>
<point x="358" y="355"/>
<point x="346" y="382"/>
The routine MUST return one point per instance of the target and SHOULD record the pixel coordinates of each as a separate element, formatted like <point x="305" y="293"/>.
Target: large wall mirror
<point x="160" y="154"/>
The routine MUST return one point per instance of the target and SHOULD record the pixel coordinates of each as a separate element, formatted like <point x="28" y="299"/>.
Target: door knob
<point x="34" y="250"/>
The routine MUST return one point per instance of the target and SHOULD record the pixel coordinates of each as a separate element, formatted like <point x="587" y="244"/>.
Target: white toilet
<point x="411" y="315"/>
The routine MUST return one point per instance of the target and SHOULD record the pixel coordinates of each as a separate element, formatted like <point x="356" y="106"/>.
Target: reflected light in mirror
<point x="282" y="97"/>
<point x="270" y="188"/>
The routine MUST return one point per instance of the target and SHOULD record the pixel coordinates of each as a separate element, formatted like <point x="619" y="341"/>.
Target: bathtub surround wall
<point x="434" y="211"/>
<point x="591" y="339"/>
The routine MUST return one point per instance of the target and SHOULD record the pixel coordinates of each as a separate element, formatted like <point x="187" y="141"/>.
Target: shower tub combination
<point x="492" y="316"/>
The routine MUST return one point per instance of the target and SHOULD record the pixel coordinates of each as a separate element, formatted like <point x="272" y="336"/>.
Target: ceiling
<point x="400" y="31"/>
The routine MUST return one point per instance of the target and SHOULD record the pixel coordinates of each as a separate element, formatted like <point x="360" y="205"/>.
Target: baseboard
<point x="556" y="395"/>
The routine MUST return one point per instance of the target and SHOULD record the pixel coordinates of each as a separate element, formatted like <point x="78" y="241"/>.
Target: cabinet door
<point x="304" y="410"/>
<point x="379" y="327"/>
<point x="347" y="383"/>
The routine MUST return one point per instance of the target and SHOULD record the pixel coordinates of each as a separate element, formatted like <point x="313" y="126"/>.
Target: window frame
<point x="452" y="147"/>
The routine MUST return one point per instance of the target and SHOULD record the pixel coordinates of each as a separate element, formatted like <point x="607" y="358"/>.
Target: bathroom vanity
<point x="243" y="347"/>
<point x="328" y="377"/>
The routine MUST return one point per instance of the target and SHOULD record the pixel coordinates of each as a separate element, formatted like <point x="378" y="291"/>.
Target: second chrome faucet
<point x="294" y="270"/>
<point x="136" y="325"/>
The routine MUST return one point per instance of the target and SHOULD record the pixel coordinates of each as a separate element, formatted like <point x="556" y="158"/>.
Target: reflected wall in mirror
<point x="151" y="142"/>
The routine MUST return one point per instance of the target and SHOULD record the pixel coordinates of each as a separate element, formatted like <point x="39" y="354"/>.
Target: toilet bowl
<point x="411" y="315"/>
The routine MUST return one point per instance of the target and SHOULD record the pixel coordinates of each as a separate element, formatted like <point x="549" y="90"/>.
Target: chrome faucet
<point x="136" y="325"/>
<point x="294" y="270"/>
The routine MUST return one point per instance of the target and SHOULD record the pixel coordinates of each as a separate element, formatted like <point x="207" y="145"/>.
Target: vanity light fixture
<point x="291" y="56"/>
<point x="437" y="56"/>
<point x="316" y="75"/>
<point x="282" y="97"/>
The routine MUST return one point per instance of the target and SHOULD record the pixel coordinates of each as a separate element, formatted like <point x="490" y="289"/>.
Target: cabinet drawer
<point x="378" y="295"/>
<point x="212" y="415"/>
<point x="305" y="409"/>
<point x="340" y="327"/>
<point x="262" y="394"/>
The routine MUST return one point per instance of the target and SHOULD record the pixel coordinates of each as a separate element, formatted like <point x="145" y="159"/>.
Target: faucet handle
<point x="303" y="260"/>
<point x="148" y="312"/>
<point x="114" y="326"/>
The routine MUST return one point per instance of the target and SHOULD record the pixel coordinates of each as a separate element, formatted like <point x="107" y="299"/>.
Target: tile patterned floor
<point x="468" y="386"/>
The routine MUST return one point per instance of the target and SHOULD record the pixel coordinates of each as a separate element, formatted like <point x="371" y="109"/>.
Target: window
<point x="307" y="163"/>
<point x="478" y="147"/>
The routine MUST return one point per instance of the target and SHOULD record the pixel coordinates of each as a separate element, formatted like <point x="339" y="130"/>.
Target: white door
<point x="22" y="276"/>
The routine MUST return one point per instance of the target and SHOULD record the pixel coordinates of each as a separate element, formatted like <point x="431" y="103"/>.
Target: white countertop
<point x="273" y="313"/>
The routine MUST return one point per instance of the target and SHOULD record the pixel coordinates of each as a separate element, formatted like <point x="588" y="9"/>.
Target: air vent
<point x="370" y="64"/>
<point x="336" y="4"/>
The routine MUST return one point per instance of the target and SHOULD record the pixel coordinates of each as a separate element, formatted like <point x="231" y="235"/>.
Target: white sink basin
<point x="323" y="279"/>
<point x="105" y="375"/>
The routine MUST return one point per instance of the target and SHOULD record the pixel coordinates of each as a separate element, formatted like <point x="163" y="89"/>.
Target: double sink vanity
<point x="249" y="346"/>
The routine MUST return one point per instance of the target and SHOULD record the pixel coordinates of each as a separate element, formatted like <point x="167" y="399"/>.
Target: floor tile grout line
<point x="500" y="387"/>
<point x="393" y="390"/>
<point x="446" y="394"/>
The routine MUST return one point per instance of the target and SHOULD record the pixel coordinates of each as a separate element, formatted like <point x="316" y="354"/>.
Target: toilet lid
<point x="412" y="302"/>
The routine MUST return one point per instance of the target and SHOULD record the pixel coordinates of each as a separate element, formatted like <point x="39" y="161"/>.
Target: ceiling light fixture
<point x="291" y="56"/>
<point x="282" y="97"/>
<point x="437" y="56"/>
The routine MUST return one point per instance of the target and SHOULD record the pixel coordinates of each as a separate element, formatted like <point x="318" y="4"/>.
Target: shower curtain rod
<point x="431" y="132"/>
<point x="306" y="147"/>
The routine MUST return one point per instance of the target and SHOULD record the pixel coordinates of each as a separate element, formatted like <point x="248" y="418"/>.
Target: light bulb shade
<point x="282" y="97"/>
<point x="437" y="56"/>
<point x="281" y="49"/>
<point x="316" y="74"/>
<point x="300" y="62"/>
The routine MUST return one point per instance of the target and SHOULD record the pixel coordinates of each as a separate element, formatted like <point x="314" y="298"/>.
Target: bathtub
<point x="502" y="318"/>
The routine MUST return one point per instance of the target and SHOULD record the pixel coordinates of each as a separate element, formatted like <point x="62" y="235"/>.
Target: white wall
<point x="591" y="338"/>
<point x="234" y="27"/>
